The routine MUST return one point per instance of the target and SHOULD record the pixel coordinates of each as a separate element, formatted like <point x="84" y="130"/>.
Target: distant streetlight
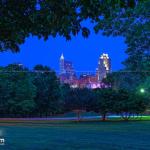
<point x="142" y="90"/>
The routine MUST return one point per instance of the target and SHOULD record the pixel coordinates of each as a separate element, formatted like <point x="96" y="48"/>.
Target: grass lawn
<point x="71" y="135"/>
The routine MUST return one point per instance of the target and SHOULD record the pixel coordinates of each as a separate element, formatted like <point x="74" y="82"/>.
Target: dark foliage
<point x="25" y="93"/>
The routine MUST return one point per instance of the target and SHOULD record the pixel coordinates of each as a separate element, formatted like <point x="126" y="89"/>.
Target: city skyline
<point x="107" y="64"/>
<point x="81" y="51"/>
<point x="92" y="80"/>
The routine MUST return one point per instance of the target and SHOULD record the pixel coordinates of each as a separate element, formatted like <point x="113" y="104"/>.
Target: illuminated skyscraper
<point x="62" y="62"/>
<point x="104" y="66"/>
<point x="67" y="73"/>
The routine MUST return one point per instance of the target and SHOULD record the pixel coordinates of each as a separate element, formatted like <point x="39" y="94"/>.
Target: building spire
<point x="62" y="56"/>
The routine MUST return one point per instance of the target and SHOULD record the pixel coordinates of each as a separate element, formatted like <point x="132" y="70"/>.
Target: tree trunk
<point x="103" y="117"/>
<point x="78" y="116"/>
<point x="126" y="116"/>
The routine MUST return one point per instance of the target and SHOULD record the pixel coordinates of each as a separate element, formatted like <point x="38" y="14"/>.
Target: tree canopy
<point x="17" y="92"/>
<point x="47" y="91"/>
<point x="44" y="18"/>
<point x="133" y="23"/>
<point x="24" y="93"/>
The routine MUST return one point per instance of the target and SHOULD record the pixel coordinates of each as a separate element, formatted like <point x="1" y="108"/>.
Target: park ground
<point x="93" y="134"/>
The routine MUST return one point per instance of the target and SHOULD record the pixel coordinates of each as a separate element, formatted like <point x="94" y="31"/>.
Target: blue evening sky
<point x="84" y="53"/>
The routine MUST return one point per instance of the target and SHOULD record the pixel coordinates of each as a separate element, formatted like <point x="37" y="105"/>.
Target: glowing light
<point x="62" y="56"/>
<point x="142" y="90"/>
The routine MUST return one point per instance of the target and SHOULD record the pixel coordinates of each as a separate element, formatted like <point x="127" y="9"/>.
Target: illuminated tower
<point x="62" y="64"/>
<point x="67" y="73"/>
<point x="104" y="66"/>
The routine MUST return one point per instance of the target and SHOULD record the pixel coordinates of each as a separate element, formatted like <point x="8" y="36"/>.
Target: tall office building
<point x="104" y="66"/>
<point x="62" y="61"/>
<point x="67" y="73"/>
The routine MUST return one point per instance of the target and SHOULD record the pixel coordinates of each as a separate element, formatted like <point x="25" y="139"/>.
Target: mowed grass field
<point x="72" y="135"/>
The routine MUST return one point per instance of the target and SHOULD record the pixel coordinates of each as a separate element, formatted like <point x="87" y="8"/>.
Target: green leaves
<point x="16" y="91"/>
<point x="19" y="19"/>
<point x="47" y="90"/>
<point x="85" y="32"/>
<point x="132" y="23"/>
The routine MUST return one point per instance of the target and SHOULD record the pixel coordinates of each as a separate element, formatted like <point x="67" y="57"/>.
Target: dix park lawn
<point x="114" y="134"/>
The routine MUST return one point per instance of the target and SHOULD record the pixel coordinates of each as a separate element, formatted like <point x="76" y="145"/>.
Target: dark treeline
<point x="40" y="94"/>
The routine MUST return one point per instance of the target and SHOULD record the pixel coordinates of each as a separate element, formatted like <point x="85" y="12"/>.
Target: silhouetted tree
<point x="77" y="100"/>
<point x="16" y="91"/>
<point x="103" y="102"/>
<point x="129" y="104"/>
<point x="48" y="91"/>
<point x="20" y="19"/>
